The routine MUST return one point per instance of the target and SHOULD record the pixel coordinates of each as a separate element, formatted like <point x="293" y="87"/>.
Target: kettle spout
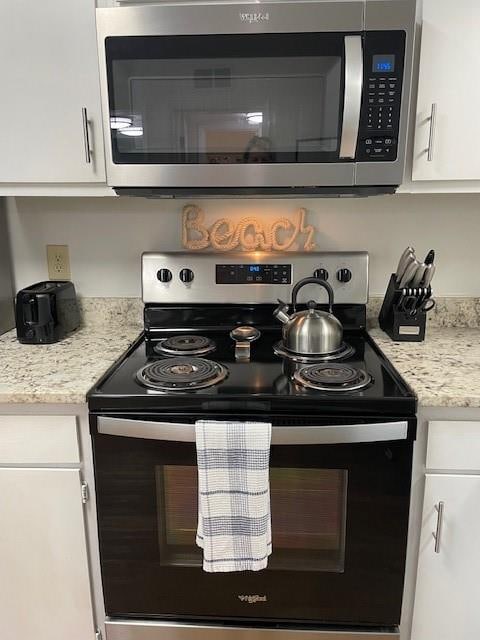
<point x="281" y="312"/>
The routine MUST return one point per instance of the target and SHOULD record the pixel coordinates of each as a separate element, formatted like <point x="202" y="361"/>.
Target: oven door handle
<point x="294" y="435"/>
<point x="352" y="99"/>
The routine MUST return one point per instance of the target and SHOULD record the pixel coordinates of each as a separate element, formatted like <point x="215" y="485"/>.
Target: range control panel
<point x="256" y="278"/>
<point x="254" y="273"/>
<point x="382" y="92"/>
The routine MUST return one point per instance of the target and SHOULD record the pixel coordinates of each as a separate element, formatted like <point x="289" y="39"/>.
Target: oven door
<point x="339" y="499"/>
<point x="231" y="96"/>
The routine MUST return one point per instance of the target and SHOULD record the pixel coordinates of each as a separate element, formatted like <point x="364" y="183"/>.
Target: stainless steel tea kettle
<point x="310" y="332"/>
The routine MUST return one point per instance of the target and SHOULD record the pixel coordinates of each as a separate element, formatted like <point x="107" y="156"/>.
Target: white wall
<point x="107" y="235"/>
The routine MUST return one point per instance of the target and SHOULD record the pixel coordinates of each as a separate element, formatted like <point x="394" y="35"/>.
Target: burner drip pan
<point x="332" y="377"/>
<point x="181" y="374"/>
<point x="345" y="351"/>
<point x="185" y="345"/>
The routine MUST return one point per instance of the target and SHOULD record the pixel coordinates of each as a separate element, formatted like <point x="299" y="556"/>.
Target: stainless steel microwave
<point x="270" y="98"/>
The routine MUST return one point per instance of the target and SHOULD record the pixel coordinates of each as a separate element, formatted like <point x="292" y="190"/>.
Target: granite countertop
<point x="62" y="372"/>
<point x="444" y="370"/>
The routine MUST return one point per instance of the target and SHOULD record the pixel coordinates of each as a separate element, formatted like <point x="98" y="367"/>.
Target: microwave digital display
<point x="383" y="63"/>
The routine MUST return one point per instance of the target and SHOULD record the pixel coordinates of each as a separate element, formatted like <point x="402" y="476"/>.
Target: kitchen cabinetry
<point x="448" y="587"/>
<point x="50" y="106"/>
<point x="447" y="123"/>
<point x="45" y="590"/>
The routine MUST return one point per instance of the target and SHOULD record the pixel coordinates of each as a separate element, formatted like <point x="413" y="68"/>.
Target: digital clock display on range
<point x="253" y="274"/>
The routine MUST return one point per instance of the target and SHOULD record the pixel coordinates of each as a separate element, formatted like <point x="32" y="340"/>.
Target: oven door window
<point x="236" y="99"/>
<point x="308" y="517"/>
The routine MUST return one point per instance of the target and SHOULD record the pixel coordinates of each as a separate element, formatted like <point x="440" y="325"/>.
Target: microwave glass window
<point x="236" y="99"/>
<point x="308" y="517"/>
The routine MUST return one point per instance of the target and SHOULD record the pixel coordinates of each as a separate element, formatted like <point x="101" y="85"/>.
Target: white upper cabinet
<point x="49" y="87"/>
<point x="446" y="145"/>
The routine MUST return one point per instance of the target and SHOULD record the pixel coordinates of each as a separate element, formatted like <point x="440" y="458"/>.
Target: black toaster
<point x="46" y="311"/>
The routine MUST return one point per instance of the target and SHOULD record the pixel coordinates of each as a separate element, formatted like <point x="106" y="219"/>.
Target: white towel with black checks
<point x="234" y="523"/>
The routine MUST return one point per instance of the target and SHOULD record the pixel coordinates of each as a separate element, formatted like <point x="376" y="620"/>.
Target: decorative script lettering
<point x="247" y="234"/>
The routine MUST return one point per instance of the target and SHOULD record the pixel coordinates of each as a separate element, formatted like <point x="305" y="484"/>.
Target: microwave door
<point x="263" y="110"/>
<point x="352" y="100"/>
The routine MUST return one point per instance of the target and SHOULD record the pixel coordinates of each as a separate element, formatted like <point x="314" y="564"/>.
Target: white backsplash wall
<point x="106" y="236"/>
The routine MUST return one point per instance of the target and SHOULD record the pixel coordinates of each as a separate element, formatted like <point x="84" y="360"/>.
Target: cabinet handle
<point x="431" y="135"/>
<point x="86" y="136"/>
<point x="438" y="533"/>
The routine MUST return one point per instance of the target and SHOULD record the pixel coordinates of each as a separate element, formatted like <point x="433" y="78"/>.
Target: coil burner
<point x="181" y="374"/>
<point x="345" y="351"/>
<point x="185" y="345"/>
<point x="332" y="377"/>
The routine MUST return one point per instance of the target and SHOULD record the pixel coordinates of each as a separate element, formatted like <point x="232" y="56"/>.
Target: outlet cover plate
<point x="58" y="261"/>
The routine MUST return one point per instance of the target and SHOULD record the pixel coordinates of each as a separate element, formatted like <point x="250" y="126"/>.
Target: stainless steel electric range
<point x="341" y="457"/>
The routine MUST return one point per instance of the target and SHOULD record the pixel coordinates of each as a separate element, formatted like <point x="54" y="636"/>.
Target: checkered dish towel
<point x="234" y="524"/>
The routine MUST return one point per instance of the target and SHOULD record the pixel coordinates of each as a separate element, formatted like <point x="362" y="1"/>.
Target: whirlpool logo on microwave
<point x="252" y="599"/>
<point x="254" y="17"/>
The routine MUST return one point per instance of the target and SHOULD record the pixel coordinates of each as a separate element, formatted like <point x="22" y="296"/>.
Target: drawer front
<point x="39" y="440"/>
<point x="453" y="446"/>
<point x="138" y="630"/>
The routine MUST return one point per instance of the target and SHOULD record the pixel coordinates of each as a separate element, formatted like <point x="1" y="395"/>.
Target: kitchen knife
<point x="408" y="273"/>
<point x="429" y="273"/>
<point x="404" y="260"/>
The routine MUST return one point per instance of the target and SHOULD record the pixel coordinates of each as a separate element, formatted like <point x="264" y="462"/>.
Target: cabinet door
<point x="449" y="63"/>
<point x="448" y="584"/>
<point x="44" y="577"/>
<point x="49" y="73"/>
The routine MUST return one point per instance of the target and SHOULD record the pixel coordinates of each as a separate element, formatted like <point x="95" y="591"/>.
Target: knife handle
<point x="430" y="257"/>
<point x="409" y="273"/>
<point x="404" y="260"/>
<point x="419" y="275"/>
<point x="429" y="273"/>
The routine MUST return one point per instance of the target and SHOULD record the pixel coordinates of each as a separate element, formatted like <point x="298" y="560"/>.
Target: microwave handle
<point x="295" y="435"/>
<point x="352" y="100"/>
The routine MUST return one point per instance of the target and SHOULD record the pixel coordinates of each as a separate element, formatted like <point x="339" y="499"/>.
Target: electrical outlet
<point x="58" y="261"/>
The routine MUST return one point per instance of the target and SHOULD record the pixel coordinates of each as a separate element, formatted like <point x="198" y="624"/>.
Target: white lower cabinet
<point x="45" y="588"/>
<point x="447" y="597"/>
<point x="44" y="577"/>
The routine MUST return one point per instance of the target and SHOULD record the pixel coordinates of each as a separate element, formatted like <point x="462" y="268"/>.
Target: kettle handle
<point x="322" y="283"/>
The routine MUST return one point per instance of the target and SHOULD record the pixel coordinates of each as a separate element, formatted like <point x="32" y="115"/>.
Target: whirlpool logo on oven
<point x="254" y="17"/>
<point x="252" y="599"/>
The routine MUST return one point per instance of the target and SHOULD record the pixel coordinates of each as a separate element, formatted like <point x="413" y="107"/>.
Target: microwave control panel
<point x="382" y="92"/>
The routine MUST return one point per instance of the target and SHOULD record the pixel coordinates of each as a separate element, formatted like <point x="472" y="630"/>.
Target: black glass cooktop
<point x="264" y="385"/>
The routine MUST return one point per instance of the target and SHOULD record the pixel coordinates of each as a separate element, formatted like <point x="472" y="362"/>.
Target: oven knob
<point x="344" y="275"/>
<point x="164" y="275"/>
<point x="321" y="274"/>
<point x="186" y="275"/>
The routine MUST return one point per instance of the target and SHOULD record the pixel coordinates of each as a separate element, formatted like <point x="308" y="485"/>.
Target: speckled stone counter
<point x="62" y="372"/>
<point x="444" y="370"/>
